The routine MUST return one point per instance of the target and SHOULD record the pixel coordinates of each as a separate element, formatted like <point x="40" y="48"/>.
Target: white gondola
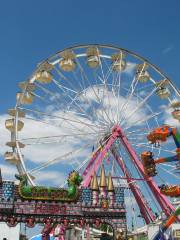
<point x="163" y="92"/>
<point x="175" y="104"/>
<point x="12" y="158"/>
<point x="29" y="87"/>
<point x="93" y="59"/>
<point x="11" y="125"/>
<point x="142" y="75"/>
<point x="43" y="76"/>
<point x="118" y="62"/>
<point x="24" y="98"/>
<point x="16" y="112"/>
<point x="67" y="63"/>
<point x="13" y="144"/>
<point x="176" y="114"/>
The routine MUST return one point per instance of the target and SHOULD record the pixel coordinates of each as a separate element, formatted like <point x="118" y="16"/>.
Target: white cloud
<point x="109" y="104"/>
<point x="168" y="118"/>
<point x="130" y="67"/>
<point x="167" y="49"/>
<point x="38" y="153"/>
<point x="50" y="177"/>
<point x="7" y="171"/>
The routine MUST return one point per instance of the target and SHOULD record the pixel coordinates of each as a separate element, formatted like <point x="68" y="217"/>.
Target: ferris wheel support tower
<point x="117" y="133"/>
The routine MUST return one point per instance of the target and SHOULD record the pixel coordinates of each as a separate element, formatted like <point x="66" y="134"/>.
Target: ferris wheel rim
<point x="104" y="46"/>
<point x="134" y="54"/>
<point x="79" y="47"/>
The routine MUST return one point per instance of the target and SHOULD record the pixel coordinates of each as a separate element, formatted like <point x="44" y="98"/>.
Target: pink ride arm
<point x="166" y="206"/>
<point x="105" y="149"/>
<point x="144" y="208"/>
<point x="91" y="162"/>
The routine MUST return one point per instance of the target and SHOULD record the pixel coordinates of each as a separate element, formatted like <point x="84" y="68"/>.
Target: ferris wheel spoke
<point x="137" y="138"/>
<point x="140" y="105"/>
<point x="66" y="91"/>
<point x="104" y="87"/>
<point x="68" y="121"/>
<point x="137" y="134"/>
<point x="148" y="86"/>
<point x="45" y="90"/>
<point x="174" y="170"/>
<point x="140" y="145"/>
<point x="138" y="129"/>
<point x="118" y="98"/>
<point x="61" y="75"/>
<point x="55" y="125"/>
<point x="52" y="94"/>
<point x="116" y="84"/>
<point x="82" y="110"/>
<point x="101" y="101"/>
<point x="57" y="138"/>
<point x="86" y="99"/>
<point x="139" y="98"/>
<point x="103" y="80"/>
<point x="171" y="166"/>
<point x="58" y="159"/>
<point x="64" y="88"/>
<point x="110" y="70"/>
<point x="143" y="120"/>
<point x="94" y="112"/>
<point x="106" y="106"/>
<point x="99" y="121"/>
<point x="48" y="101"/>
<point x="67" y="80"/>
<point x="55" y="117"/>
<point x="77" y="91"/>
<point x="43" y="99"/>
<point x="73" y="100"/>
<point x="172" y="174"/>
<point x="128" y="97"/>
<point x="144" y="101"/>
<point x="142" y="136"/>
<point x="106" y="91"/>
<point x="102" y="107"/>
<point x="84" y="76"/>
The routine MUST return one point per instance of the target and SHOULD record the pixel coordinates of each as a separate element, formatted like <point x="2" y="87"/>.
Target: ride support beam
<point x="145" y="210"/>
<point x="90" y="164"/>
<point x="96" y="162"/>
<point x="166" y="206"/>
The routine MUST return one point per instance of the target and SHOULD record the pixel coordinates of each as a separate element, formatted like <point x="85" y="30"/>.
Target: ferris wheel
<point x="91" y="105"/>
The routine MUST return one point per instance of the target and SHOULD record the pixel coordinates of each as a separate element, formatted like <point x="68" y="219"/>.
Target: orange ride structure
<point x="157" y="136"/>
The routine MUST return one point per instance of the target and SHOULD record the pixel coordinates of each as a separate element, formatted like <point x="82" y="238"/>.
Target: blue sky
<point x="30" y="31"/>
<point x="33" y="30"/>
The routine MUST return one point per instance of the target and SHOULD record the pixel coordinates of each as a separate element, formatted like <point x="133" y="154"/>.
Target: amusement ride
<point x="100" y="124"/>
